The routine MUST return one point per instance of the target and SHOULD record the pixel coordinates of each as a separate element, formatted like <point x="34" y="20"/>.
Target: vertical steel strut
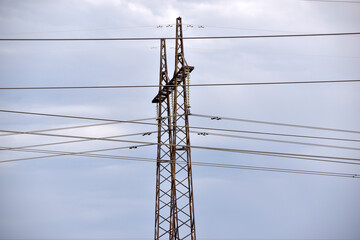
<point x="174" y="206"/>
<point x="163" y="201"/>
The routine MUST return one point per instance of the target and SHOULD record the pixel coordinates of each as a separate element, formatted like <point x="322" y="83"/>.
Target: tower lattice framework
<point x="174" y="205"/>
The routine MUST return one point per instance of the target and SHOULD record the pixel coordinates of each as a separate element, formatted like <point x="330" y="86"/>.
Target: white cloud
<point x="117" y="194"/>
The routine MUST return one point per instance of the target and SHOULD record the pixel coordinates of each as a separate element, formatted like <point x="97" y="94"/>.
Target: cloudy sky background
<point x="83" y="197"/>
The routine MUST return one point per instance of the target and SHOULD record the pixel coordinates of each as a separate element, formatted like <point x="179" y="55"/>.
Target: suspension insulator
<point x="172" y="102"/>
<point x="188" y="89"/>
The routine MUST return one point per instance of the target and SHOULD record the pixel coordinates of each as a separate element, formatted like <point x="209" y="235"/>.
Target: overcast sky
<point x="85" y="197"/>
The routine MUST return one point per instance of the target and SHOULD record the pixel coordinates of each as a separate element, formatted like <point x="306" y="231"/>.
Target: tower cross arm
<point x="170" y="86"/>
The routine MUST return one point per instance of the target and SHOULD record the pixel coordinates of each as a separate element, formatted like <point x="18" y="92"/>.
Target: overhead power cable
<point x="79" y="30"/>
<point x="190" y="85"/>
<point x="158" y="26"/>
<point x="78" y="126"/>
<point x="197" y="132"/>
<point x="276" y="134"/>
<point x="251" y="29"/>
<point x="276" y="140"/>
<point x="332" y="1"/>
<point x="63" y="153"/>
<point x="79" y="117"/>
<point x="82" y="140"/>
<point x="186" y="38"/>
<point x="208" y="164"/>
<point x="275" y="123"/>
<point x="193" y="127"/>
<point x="149" y="144"/>
<point x="245" y="151"/>
<point x="283" y="155"/>
<point x="65" y="128"/>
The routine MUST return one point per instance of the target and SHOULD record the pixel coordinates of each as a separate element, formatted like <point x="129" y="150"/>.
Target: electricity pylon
<point x="174" y="204"/>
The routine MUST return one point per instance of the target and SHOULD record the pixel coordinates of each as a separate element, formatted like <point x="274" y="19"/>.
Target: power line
<point x="245" y="151"/>
<point x="252" y="29"/>
<point x="276" y="140"/>
<point x="79" y="30"/>
<point x="82" y="140"/>
<point x="276" y="134"/>
<point x="84" y="118"/>
<point x="286" y="155"/>
<point x="56" y="153"/>
<point x="278" y="154"/>
<point x="284" y="170"/>
<point x="65" y="128"/>
<point x="185" y="38"/>
<point x="193" y="127"/>
<point x="190" y="85"/>
<point x="334" y="1"/>
<point x="63" y="153"/>
<point x="149" y="144"/>
<point x="79" y="126"/>
<point x="159" y="26"/>
<point x="274" y="123"/>
<point x="199" y="133"/>
<point x="244" y="167"/>
<point x="151" y="132"/>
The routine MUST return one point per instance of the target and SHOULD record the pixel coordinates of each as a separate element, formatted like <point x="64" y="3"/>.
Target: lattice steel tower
<point x="174" y="205"/>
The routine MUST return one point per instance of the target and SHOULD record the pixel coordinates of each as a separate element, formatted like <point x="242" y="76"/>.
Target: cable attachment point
<point x="203" y="133"/>
<point x="215" y="118"/>
<point x="181" y="148"/>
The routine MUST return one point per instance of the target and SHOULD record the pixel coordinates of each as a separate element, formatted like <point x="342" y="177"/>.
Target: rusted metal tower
<point x="174" y="205"/>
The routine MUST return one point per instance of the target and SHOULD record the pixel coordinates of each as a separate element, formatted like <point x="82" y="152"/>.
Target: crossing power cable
<point x="138" y="121"/>
<point x="65" y="128"/>
<point x="64" y="153"/>
<point x="201" y="147"/>
<point x="78" y="126"/>
<point x="187" y="85"/>
<point x="276" y="140"/>
<point x="149" y="144"/>
<point x="244" y="167"/>
<point x="196" y="132"/>
<point x="79" y="30"/>
<point x="83" y="140"/>
<point x="274" y="123"/>
<point x="245" y="151"/>
<point x="275" y="134"/>
<point x="332" y="1"/>
<point x="242" y="28"/>
<point x="187" y="38"/>
<point x="193" y="127"/>
<point x="158" y="26"/>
